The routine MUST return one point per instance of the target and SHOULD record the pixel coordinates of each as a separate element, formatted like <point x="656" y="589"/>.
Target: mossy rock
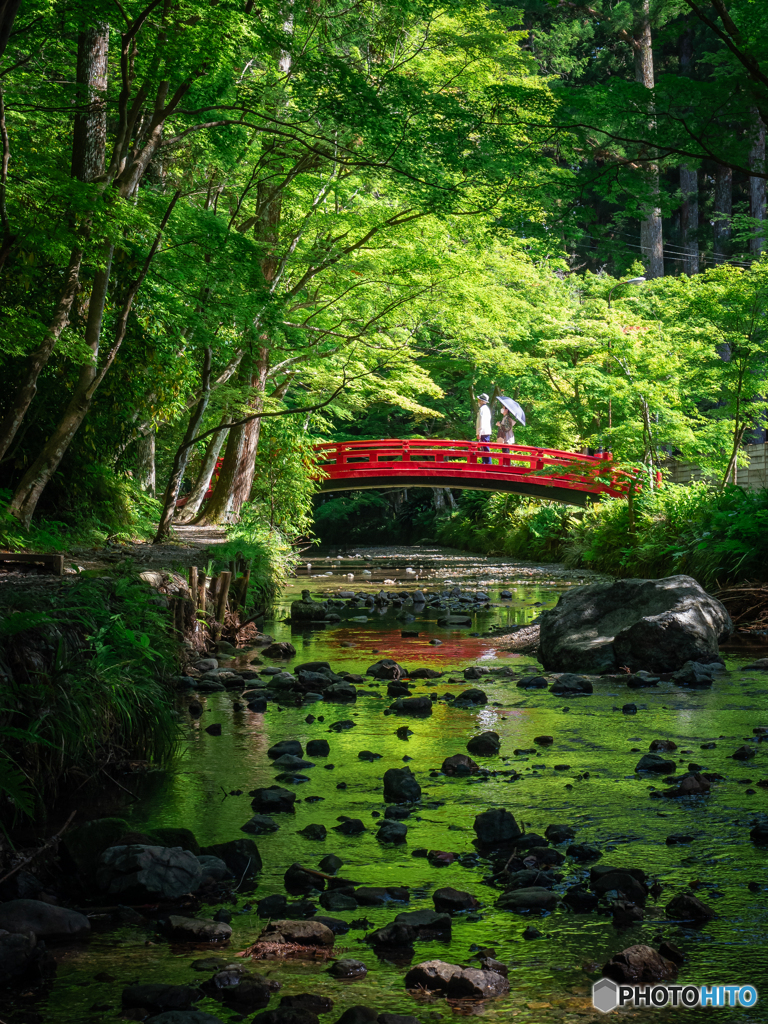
<point x="136" y="839"/>
<point x="182" y="837"/>
<point x="86" y="843"/>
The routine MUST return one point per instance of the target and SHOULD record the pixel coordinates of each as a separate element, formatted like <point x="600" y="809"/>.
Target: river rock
<point x="486" y="744"/>
<point x="665" y="746"/>
<point x="348" y="969"/>
<point x="535" y="898"/>
<point x="183" y="1017"/>
<point x="260" y="825"/>
<point x="628" y="882"/>
<point x="386" y="668"/>
<point x="453" y="901"/>
<point x="307" y="1001"/>
<point x="214" y="869"/>
<point x="476" y="671"/>
<point x="427" y="924"/>
<point x="433" y="975"/>
<point x="197" y="929"/>
<point x="337" y="902"/>
<point x="688" y="908"/>
<point x="471" y="983"/>
<point x="306" y="610"/>
<point x="160" y="997"/>
<point x="459" y="764"/>
<point x="359" y="1015"/>
<point x="468" y="698"/>
<point x="291" y="763"/>
<point x="314" y="831"/>
<point x="392" y="832"/>
<point x="400" y="786"/>
<point x="350" y="827"/>
<point x="744" y="753"/>
<point x="412" y="706"/>
<point x="16" y="952"/>
<point x="425" y="673"/>
<point x="656" y="625"/>
<point x="340" y="692"/>
<point x="273" y="800"/>
<point x="656" y="764"/>
<point x="559" y="833"/>
<point x="148" y="872"/>
<point x="528" y="877"/>
<point x="639" y="963"/>
<point x="496" y="825"/>
<point x="285" y="747"/>
<point x="241" y="856"/>
<point x="533" y="683"/>
<point x="330" y="864"/>
<point x="44" y="920"/>
<point x="570" y="685"/>
<point x="580" y="900"/>
<point x="304" y="933"/>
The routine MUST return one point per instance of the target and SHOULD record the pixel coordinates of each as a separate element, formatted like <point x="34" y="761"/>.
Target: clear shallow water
<point x="550" y="977"/>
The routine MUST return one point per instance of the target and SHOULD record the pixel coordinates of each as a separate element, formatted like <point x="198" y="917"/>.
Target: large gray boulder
<point x="148" y="872"/>
<point x="44" y="920"/>
<point x="16" y="951"/>
<point x="643" y="624"/>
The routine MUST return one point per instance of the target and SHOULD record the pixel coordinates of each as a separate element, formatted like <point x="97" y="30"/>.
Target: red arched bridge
<point x="538" y="472"/>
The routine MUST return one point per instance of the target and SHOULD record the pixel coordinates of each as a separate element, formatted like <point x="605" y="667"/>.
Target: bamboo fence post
<point x="202" y="583"/>
<point x="221" y="607"/>
<point x="193" y="584"/>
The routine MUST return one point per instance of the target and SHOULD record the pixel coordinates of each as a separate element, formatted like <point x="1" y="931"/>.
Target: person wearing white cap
<point x="483" y="423"/>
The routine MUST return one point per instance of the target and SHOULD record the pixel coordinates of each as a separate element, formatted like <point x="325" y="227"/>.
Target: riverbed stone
<point x="534" y="899"/>
<point x="472" y="983"/>
<point x="43" y="920"/>
<point x="348" y="969"/>
<point x="304" y="933"/>
<point x="401" y="786"/>
<point x="291" y="763"/>
<point x="340" y="692"/>
<point x="315" y="831"/>
<point x="197" y="929"/>
<point x="533" y="683"/>
<point x="318" y="748"/>
<point x="605" y="879"/>
<point x="639" y="963"/>
<point x="359" y="1015"/>
<point x="453" y="901"/>
<point x="433" y="975"/>
<point x="337" y="902"/>
<point x="459" y="764"/>
<point x="570" y="685"/>
<point x="486" y="744"/>
<point x="386" y="668"/>
<point x="686" y="907"/>
<point x="241" y="856"/>
<point x="160" y="997"/>
<point x="655" y="763"/>
<point x="214" y="869"/>
<point x="656" y="625"/>
<point x="306" y="610"/>
<point x="285" y="747"/>
<point x="412" y="706"/>
<point x="17" y="950"/>
<point x="273" y="800"/>
<point x="146" y="872"/>
<point x="392" y="832"/>
<point x="496" y="825"/>
<point x="260" y="825"/>
<point x="307" y="1001"/>
<point x="471" y="697"/>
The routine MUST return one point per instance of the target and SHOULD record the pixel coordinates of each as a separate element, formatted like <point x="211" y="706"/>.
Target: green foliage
<point x="85" y="686"/>
<point x="713" y="535"/>
<point x="268" y="555"/>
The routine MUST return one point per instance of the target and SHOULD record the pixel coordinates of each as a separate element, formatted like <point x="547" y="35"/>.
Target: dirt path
<point x="191" y="545"/>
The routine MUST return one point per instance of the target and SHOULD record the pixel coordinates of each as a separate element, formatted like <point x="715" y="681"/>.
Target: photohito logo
<point x="607" y="995"/>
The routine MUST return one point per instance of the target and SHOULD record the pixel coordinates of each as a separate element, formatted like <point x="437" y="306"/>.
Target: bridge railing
<point x="395" y="457"/>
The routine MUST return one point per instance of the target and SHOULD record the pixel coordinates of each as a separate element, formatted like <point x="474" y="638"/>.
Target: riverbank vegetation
<point x="85" y="663"/>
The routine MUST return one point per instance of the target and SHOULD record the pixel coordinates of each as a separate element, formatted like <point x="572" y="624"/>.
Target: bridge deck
<point x="538" y="472"/>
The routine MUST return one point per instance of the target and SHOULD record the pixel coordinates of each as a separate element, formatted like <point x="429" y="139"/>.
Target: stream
<point x="586" y="780"/>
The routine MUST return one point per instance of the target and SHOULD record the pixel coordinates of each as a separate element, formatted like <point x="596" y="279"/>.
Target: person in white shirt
<point x="483" y="423"/>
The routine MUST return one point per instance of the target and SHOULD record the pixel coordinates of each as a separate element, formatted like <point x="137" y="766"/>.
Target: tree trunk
<point x="89" y="136"/>
<point x="145" y="458"/>
<point x="757" y="187"/>
<point x="182" y="454"/>
<point x="651" y="238"/>
<point x="722" y="212"/>
<point x="689" y="219"/>
<point x="197" y="495"/>
<point x="8" y="12"/>
<point x="236" y="476"/>
<point x="88" y="160"/>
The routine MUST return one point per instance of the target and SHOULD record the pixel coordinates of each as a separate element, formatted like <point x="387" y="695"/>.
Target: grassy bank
<point x="714" y="536"/>
<point x="85" y="664"/>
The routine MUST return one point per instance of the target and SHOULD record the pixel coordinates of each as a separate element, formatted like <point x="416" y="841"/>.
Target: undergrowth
<point x="714" y="536"/>
<point x="84" y="666"/>
<point x="102" y="508"/>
